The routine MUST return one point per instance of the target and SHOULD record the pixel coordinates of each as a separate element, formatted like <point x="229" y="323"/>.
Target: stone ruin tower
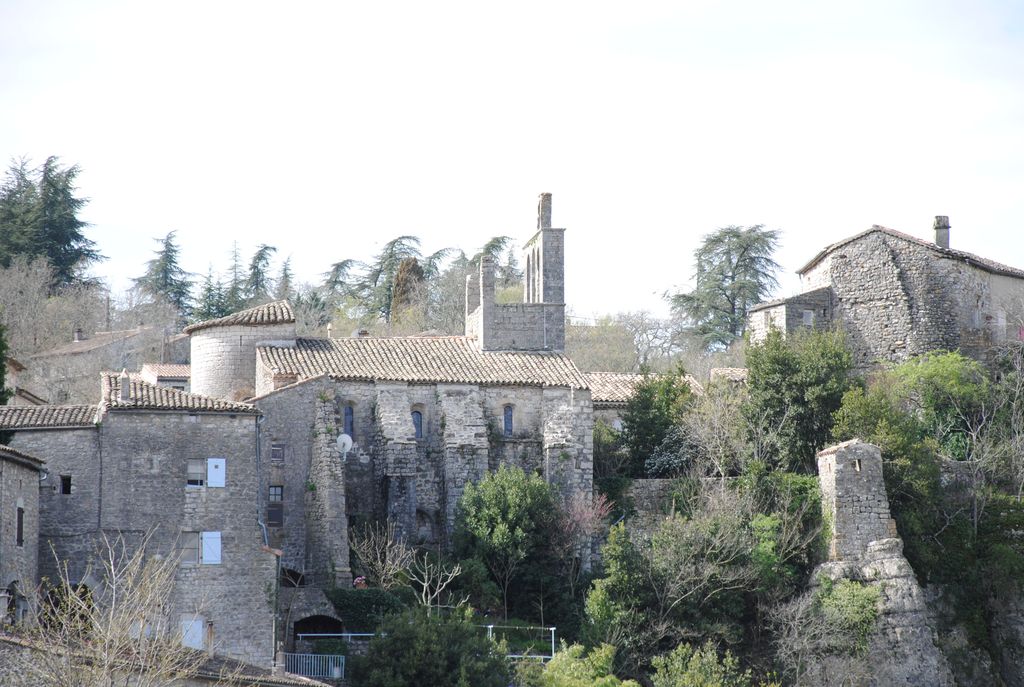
<point x="536" y="324"/>
<point x="853" y="498"/>
<point x="224" y="350"/>
<point x="866" y="547"/>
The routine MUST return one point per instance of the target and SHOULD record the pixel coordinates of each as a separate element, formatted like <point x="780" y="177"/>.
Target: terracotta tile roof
<point x="613" y="389"/>
<point x="154" y="370"/>
<point x="18" y="456"/>
<point x="969" y="258"/>
<point x="276" y="312"/>
<point x="145" y="396"/>
<point x="443" y="359"/>
<point x="43" y="417"/>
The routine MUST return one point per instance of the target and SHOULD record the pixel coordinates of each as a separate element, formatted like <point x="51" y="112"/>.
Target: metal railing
<point x="315" y="665"/>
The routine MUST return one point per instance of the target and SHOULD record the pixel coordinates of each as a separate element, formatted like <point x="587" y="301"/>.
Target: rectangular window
<point x="189" y="545"/>
<point x="808" y="318"/>
<point x="192" y="631"/>
<point x="20" y="539"/>
<point x="210" y="553"/>
<point x="65" y="484"/>
<point x="277" y="454"/>
<point x="216" y="472"/>
<point x="196" y="472"/>
<point x="275" y="506"/>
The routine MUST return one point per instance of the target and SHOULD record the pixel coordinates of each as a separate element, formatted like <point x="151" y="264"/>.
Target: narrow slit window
<point x="508" y="421"/>
<point x="20" y="538"/>
<point x="65" y="484"/>
<point x="350" y="421"/>
<point x="417" y="423"/>
<point x="856" y="464"/>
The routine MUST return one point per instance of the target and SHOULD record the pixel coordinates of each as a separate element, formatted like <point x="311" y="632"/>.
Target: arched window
<point x="508" y="421"/>
<point x="350" y="421"/>
<point x="417" y="423"/>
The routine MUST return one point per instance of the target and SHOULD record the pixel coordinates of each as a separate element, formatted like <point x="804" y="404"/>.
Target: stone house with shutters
<point x="896" y="296"/>
<point x="155" y="459"/>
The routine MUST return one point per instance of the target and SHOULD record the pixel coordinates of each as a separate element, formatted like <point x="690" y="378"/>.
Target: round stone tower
<point x="224" y="350"/>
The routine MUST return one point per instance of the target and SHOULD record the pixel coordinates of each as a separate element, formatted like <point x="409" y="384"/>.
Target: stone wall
<point x="144" y="488"/>
<point x="224" y="358"/>
<point x="68" y="523"/>
<point x="896" y="298"/>
<point x="326" y="514"/>
<point x="853" y="498"/>
<point x="19" y="489"/>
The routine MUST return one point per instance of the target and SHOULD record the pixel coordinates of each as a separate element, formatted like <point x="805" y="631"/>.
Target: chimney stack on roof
<point x="941" y="231"/>
<point x="124" y="390"/>
<point x="544" y="211"/>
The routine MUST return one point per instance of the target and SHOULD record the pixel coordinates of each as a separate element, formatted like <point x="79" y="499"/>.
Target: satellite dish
<point x="344" y="445"/>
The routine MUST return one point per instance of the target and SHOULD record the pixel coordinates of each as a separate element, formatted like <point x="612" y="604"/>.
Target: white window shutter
<point x="216" y="472"/>
<point x="211" y="548"/>
<point x="192" y="631"/>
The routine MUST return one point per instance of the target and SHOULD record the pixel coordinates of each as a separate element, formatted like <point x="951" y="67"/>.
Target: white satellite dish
<point x="344" y="445"/>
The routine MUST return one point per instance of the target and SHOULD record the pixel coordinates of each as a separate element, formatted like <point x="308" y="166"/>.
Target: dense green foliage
<point x="734" y="270"/>
<point x="689" y="666"/>
<point x="39" y="218"/>
<point x="851" y="607"/>
<point x="651" y="412"/>
<point x="364" y="609"/>
<point x="165" y="279"/>
<point x="416" y="649"/>
<point x="796" y="385"/>
<point x="506" y="521"/>
<point x="574" y="666"/>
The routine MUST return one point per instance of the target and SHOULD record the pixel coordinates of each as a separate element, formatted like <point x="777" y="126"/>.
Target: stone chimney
<point x="544" y="211"/>
<point x="941" y="231"/>
<point x="125" y="384"/>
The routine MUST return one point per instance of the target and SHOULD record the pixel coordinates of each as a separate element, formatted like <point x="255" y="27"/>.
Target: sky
<point x="328" y="128"/>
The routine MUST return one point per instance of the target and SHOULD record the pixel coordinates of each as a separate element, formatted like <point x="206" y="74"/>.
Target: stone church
<point x="896" y="296"/>
<point x="255" y="474"/>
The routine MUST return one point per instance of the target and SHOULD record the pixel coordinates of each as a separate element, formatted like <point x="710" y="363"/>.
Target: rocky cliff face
<point x="903" y="649"/>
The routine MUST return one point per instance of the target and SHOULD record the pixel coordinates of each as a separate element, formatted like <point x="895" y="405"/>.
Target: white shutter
<point x="211" y="548"/>
<point x="192" y="631"/>
<point x="216" y="472"/>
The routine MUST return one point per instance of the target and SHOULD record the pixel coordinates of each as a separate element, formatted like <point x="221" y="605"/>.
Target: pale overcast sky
<point x="328" y="128"/>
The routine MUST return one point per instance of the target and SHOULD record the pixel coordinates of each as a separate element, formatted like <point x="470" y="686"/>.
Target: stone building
<point x="896" y="296"/>
<point x="17" y="394"/>
<point x="19" y="531"/>
<point x="149" y="459"/>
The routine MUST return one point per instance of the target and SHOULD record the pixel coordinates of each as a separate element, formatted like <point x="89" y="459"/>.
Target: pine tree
<point x="234" y="294"/>
<point x="734" y="271"/>
<point x="165" y="279"/>
<point x="211" y="302"/>
<point x="39" y="218"/>
<point x="284" y="280"/>
<point x="257" y="286"/>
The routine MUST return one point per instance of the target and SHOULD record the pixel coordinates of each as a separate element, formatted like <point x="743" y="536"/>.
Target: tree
<point x="284" y="288"/>
<point x="382" y="552"/>
<point x="5" y="393"/>
<point x="416" y="649"/>
<point x="119" y="632"/>
<point x="212" y="300"/>
<point x="576" y="525"/>
<point x="165" y="279"/>
<point x="257" y="285"/>
<point x="734" y="271"/>
<point x="796" y="384"/>
<point x="433" y="575"/>
<point x="573" y="666"/>
<point x="39" y="218"/>
<point x="408" y="294"/>
<point x="654" y="408"/>
<point x="502" y="520"/>
<point x="234" y="294"/>
<point x="689" y="666"/>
